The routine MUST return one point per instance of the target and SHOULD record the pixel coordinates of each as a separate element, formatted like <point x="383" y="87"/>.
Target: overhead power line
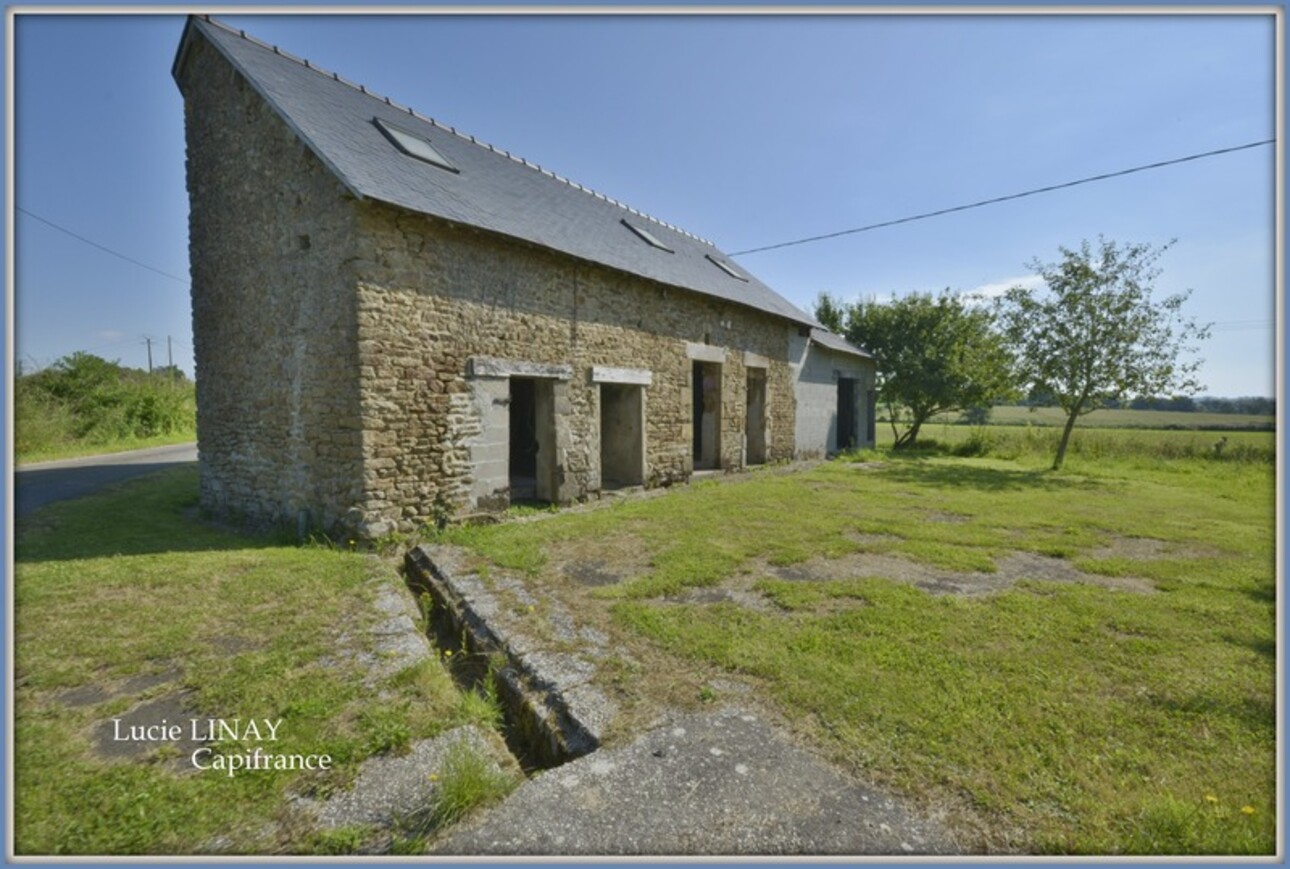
<point x="103" y="248"/>
<point x="1010" y="196"/>
<point x="1241" y="325"/>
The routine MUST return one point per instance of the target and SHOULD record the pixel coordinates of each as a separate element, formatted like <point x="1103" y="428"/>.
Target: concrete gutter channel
<point x="553" y="713"/>
<point x="713" y="783"/>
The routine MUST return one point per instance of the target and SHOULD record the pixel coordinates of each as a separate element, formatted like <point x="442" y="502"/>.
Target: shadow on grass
<point x="1252" y="713"/>
<point x="916" y="469"/>
<point x="1266" y="648"/>
<point x="1262" y="594"/>
<point x="151" y="514"/>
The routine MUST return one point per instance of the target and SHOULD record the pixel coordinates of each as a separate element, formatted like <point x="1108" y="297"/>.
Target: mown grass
<point x="131" y="582"/>
<point x="1046" y="718"/>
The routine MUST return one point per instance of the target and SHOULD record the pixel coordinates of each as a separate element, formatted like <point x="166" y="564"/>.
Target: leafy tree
<point x="170" y="372"/>
<point x="936" y="354"/>
<point x="831" y="313"/>
<point x="1098" y="334"/>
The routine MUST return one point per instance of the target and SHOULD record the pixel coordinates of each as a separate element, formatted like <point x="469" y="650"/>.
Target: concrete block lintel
<point x="754" y="360"/>
<point x="489" y="366"/>
<point x="705" y="353"/>
<point x="633" y="376"/>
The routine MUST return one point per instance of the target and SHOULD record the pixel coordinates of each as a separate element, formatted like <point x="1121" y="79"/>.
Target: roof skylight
<point x="413" y="145"/>
<point x="725" y="267"/>
<point x="647" y="236"/>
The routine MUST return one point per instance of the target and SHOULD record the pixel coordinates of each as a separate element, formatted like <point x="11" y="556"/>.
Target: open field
<point x="1123" y="418"/>
<point x="1079" y="662"/>
<point x="1142" y="446"/>
<point x="126" y="598"/>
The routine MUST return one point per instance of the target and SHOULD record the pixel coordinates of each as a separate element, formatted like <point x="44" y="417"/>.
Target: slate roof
<point x="837" y="342"/>
<point x="492" y="189"/>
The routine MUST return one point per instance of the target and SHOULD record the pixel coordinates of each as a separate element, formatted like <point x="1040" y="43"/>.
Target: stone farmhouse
<point x="395" y="323"/>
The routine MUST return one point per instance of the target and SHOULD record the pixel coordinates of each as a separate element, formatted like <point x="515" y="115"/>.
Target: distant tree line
<point x="1251" y="404"/>
<point x="86" y="399"/>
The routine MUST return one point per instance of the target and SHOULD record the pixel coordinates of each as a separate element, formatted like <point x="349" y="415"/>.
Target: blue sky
<point x="747" y="130"/>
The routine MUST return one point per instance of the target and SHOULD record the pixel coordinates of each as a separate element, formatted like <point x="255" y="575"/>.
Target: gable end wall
<point x="818" y="370"/>
<point x="274" y="318"/>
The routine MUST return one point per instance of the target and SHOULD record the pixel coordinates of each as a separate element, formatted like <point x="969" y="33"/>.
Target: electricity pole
<point x="148" y="341"/>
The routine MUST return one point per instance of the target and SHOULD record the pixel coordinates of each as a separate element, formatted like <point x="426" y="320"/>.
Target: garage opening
<point x="847" y="430"/>
<point x="622" y="435"/>
<point x="532" y="440"/>
<point x="707" y="416"/>
<point x="756" y="424"/>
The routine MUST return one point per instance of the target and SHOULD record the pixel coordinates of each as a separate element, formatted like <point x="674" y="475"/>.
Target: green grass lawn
<point x="1132" y="713"/>
<point x="130" y="585"/>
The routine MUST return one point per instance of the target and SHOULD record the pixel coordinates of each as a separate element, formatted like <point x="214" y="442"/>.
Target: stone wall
<point x="274" y="325"/>
<point x="433" y="296"/>
<point x="355" y="360"/>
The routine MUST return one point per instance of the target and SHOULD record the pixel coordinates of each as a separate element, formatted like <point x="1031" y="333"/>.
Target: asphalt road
<point x="43" y="483"/>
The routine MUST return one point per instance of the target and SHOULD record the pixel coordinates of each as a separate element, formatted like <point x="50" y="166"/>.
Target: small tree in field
<point x="1097" y="335"/>
<point x="936" y="354"/>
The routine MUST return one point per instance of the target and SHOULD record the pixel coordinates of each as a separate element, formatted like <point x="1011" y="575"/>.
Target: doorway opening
<point x="870" y="410"/>
<point x="706" y="389"/>
<point x="622" y="435"/>
<point x="531" y="447"/>
<point x="847" y="430"/>
<point x="756" y="423"/>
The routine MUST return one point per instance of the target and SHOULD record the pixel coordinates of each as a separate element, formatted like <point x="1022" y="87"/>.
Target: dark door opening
<point x="707" y="415"/>
<point x="846" y="413"/>
<point x="756" y="423"/>
<point x="870" y="414"/>
<point x="696" y="390"/>
<point x="523" y="439"/>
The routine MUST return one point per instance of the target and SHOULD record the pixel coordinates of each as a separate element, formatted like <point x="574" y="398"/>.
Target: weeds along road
<point x="39" y="484"/>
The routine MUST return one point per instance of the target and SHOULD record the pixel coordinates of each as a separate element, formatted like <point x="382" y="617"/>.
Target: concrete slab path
<point x="713" y="783"/>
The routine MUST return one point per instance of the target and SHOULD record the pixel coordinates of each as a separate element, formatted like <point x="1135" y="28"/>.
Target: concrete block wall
<point x="818" y="370"/>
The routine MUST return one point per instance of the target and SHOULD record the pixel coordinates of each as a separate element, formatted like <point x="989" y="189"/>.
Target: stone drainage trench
<point x="551" y="712"/>
<point x="719" y="782"/>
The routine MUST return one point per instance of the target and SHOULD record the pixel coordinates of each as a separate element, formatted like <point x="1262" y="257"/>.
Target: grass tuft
<point x="468" y="780"/>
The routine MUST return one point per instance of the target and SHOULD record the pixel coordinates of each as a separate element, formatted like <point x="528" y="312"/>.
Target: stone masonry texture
<point x="334" y="341"/>
<point x="274" y="316"/>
